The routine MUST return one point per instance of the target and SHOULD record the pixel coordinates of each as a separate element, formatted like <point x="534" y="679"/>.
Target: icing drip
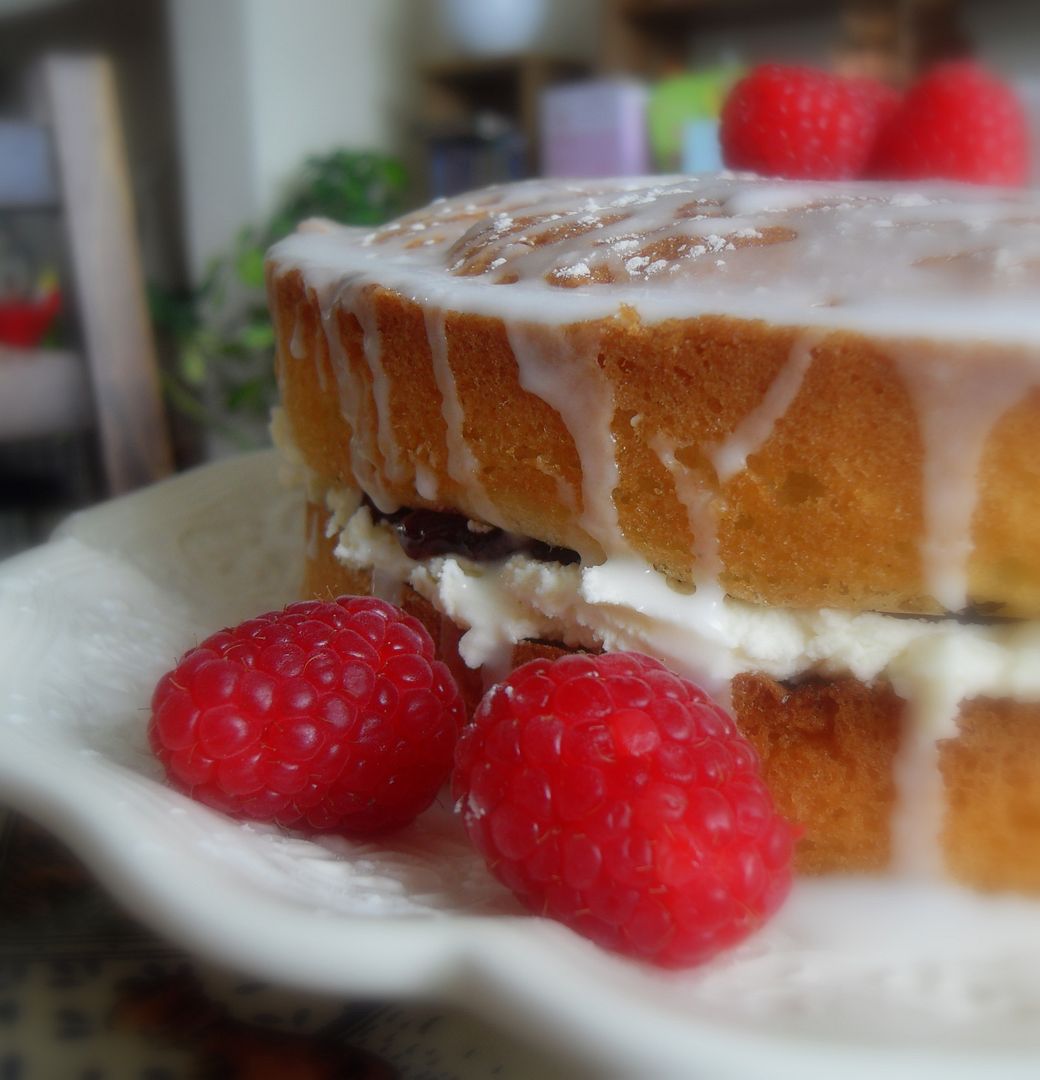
<point x="426" y="482"/>
<point x="704" y="611"/>
<point x="728" y="459"/>
<point x="387" y="585"/>
<point x="462" y="465"/>
<point x="917" y="816"/>
<point x="560" y="365"/>
<point x="942" y="672"/>
<point x="699" y="502"/>
<point x="352" y="399"/>
<point x="957" y="405"/>
<point x="498" y="664"/>
<point x="364" y="310"/>
<point x="298" y="341"/>
<point x="566" y="493"/>
<point x="730" y="456"/>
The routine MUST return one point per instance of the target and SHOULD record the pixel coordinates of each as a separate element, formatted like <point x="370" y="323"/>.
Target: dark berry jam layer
<point x="424" y="534"/>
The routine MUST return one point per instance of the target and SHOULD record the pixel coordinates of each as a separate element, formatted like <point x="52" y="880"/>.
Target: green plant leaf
<point x="254" y="395"/>
<point x="193" y="365"/>
<point x="257" y="335"/>
<point x="223" y="330"/>
<point x="249" y="266"/>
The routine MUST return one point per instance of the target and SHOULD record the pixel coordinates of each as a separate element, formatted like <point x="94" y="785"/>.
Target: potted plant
<point x="223" y="372"/>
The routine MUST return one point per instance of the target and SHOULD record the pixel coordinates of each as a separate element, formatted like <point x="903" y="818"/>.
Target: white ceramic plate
<point x="850" y="979"/>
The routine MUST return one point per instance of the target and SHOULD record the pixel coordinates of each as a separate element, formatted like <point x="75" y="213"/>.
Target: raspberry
<point x="612" y="795"/>
<point x="325" y="717"/>
<point x="957" y="122"/>
<point x="800" y="123"/>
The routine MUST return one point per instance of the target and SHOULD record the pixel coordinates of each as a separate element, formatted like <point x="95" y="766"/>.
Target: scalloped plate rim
<point x="492" y="965"/>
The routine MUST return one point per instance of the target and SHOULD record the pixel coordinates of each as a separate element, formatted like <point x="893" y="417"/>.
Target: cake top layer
<point x="891" y="259"/>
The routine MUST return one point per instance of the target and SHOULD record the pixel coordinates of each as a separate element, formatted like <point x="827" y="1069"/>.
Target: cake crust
<point x="827" y="513"/>
<point x="789" y="405"/>
<point x="812" y="394"/>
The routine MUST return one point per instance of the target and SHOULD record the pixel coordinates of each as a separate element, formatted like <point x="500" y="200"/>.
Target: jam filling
<point x="424" y="534"/>
<point x="985" y="614"/>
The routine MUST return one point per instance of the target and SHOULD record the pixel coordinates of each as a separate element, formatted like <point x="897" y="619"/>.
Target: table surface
<point x="88" y="993"/>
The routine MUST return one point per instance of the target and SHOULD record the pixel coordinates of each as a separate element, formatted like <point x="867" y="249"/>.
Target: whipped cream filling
<point x="624" y="603"/>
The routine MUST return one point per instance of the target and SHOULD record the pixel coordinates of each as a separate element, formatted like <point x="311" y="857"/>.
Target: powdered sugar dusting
<point x="804" y="253"/>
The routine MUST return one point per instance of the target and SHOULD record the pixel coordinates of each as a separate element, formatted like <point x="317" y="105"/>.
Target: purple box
<point x="594" y="128"/>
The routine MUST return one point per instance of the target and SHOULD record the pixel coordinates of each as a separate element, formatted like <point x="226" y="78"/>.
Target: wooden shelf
<point x="113" y="387"/>
<point x="509" y="86"/>
<point x="480" y="67"/>
<point x="648" y="37"/>
<point x="716" y="12"/>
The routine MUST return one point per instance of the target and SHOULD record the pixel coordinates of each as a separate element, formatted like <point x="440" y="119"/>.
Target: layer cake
<point x="782" y="436"/>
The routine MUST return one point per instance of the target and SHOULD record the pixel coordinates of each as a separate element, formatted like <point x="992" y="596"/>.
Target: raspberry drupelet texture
<point x="325" y="717"/>
<point x="611" y="794"/>
<point x="957" y="122"/>
<point x="799" y="123"/>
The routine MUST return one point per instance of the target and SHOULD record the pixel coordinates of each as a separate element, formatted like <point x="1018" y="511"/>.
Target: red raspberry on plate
<point x="800" y="123"/>
<point x="325" y="717"/>
<point x="958" y="122"/>
<point x="613" y="795"/>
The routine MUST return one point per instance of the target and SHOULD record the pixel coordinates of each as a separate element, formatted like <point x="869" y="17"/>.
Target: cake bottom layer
<point x="829" y="748"/>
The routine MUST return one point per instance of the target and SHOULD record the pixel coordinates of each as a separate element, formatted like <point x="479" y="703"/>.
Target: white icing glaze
<point x="387" y="586"/>
<point x="313" y="538"/>
<point x="426" y="482"/>
<point x="462" y="466"/>
<point x="751" y="434"/>
<point x="699" y="503"/>
<point x="298" y="348"/>
<point x="957" y="404"/>
<point x="294" y="471"/>
<point x="957" y="262"/>
<point x="353" y="398"/>
<point x="560" y="366"/>
<point x="698" y="500"/>
<point x="497" y="666"/>
<point x="917" y="818"/>
<point x="371" y="343"/>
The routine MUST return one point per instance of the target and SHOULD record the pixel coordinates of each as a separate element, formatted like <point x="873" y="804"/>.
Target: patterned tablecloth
<point x="86" y="993"/>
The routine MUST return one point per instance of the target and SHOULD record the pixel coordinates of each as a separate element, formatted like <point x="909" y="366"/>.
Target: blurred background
<point x="150" y="151"/>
